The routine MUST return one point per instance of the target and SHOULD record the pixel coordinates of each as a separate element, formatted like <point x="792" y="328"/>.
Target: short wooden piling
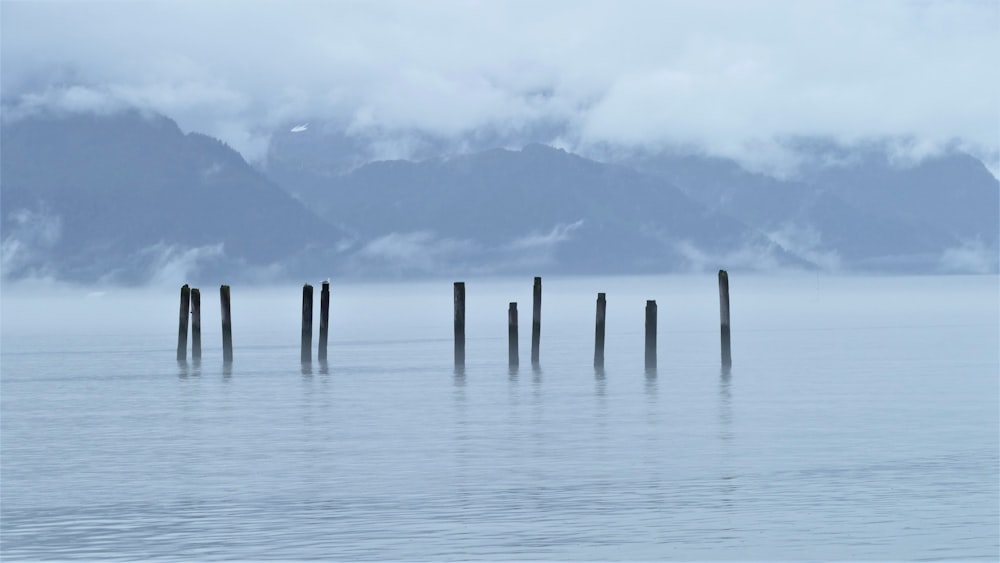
<point x="650" y="334"/>
<point x="512" y="354"/>
<point x="459" y="324"/>
<point x="195" y="324"/>
<point x="307" y="323"/>
<point x="599" y="332"/>
<point x="182" y="328"/>
<point x="227" y="325"/>
<point x="727" y="354"/>
<point x="536" y="321"/>
<point x="324" y="320"/>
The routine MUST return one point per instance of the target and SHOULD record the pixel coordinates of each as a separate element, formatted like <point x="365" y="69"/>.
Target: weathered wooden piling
<point x="324" y="320"/>
<point x="182" y="327"/>
<point x="512" y="355"/>
<point x="651" y="334"/>
<point x="536" y="321"/>
<point x="195" y="323"/>
<point x="727" y="354"/>
<point x="459" y="324"/>
<point x="599" y="331"/>
<point x="307" y="323"/>
<point x="227" y="326"/>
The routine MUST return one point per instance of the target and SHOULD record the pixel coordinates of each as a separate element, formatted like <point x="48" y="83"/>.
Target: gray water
<point x="859" y="421"/>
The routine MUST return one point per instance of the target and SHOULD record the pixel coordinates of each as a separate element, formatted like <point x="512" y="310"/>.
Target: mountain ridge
<point x="129" y="197"/>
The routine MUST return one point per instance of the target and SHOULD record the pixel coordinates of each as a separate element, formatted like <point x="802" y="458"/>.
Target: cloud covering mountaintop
<point x="734" y="79"/>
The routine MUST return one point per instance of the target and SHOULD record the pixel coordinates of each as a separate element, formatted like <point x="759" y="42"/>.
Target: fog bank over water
<point x="361" y="312"/>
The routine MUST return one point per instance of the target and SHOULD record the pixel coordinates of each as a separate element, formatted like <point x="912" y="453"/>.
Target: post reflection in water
<point x="600" y="382"/>
<point x="728" y="481"/>
<point x="410" y="458"/>
<point x="183" y="370"/>
<point x="186" y="370"/>
<point x="512" y="372"/>
<point x="651" y="383"/>
<point x="725" y="404"/>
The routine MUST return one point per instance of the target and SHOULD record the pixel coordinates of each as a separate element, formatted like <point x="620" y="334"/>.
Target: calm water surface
<point x="860" y="421"/>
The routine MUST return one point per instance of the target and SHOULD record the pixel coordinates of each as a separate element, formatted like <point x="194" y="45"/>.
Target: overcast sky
<point x="729" y="77"/>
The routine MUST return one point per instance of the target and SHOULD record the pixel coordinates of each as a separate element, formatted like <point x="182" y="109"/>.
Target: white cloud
<point x="415" y="252"/>
<point x="972" y="257"/>
<point x="534" y="250"/>
<point x="728" y="77"/>
<point x="171" y="265"/>
<point x="807" y="242"/>
<point x="560" y="233"/>
<point x="27" y="238"/>
<point x="756" y="256"/>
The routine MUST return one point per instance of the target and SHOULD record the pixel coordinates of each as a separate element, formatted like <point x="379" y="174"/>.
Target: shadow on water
<point x="324" y="367"/>
<point x="227" y="370"/>
<point x="307" y="368"/>
<point x="600" y="382"/>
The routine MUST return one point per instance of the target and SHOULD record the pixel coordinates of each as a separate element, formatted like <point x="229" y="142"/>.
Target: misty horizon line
<point x="34" y="284"/>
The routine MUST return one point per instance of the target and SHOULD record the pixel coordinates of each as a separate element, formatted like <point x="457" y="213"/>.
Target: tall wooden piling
<point x="324" y="320"/>
<point x="536" y="320"/>
<point x="599" y="331"/>
<point x="227" y="326"/>
<point x="650" y="334"/>
<point x="459" y="324"/>
<point x="307" y="323"/>
<point x="195" y="324"/>
<point x="512" y="354"/>
<point x="727" y="354"/>
<point x="182" y="327"/>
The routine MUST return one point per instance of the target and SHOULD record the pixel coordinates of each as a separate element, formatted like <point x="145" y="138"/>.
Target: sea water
<point x="859" y="421"/>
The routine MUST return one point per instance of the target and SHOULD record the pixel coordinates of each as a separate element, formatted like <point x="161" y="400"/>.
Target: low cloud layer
<point x="730" y="78"/>
<point x="28" y="235"/>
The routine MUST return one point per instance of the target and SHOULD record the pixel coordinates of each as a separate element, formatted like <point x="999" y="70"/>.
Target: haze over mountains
<point x="127" y="197"/>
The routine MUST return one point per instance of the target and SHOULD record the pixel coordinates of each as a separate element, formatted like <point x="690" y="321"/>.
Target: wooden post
<point x="727" y="353"/>
<point x="182" y="328"/>
<point x="227" y="326"/>
<point x="536" y="320"/>
<point x="512" y="355"/>
<point x="307" y="323"/>
<point x="651" y="334"/>
<point x="459" y="324"/>
<point x="195" y="324"/>
<point x="599" y="332"/>
<point x="324" y="320"/>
